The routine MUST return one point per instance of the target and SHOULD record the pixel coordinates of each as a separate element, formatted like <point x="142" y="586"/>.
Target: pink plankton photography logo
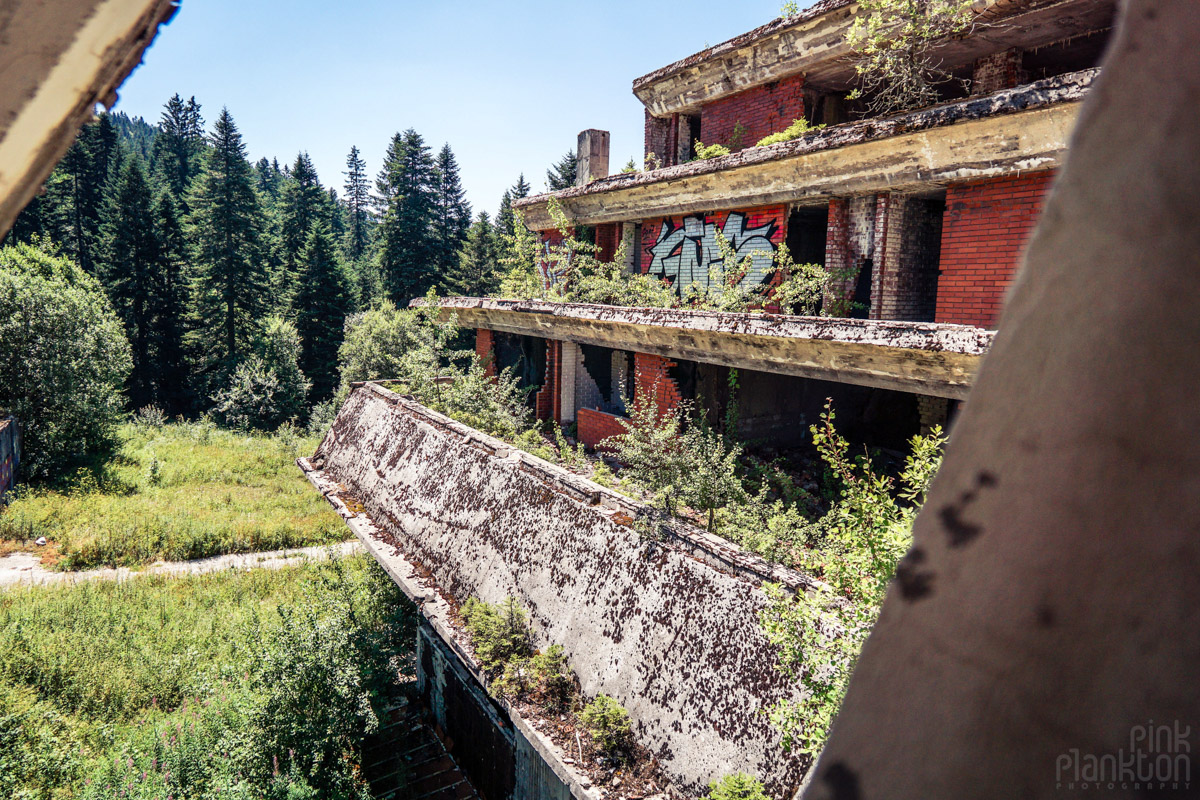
<point x="1159" y="758"/>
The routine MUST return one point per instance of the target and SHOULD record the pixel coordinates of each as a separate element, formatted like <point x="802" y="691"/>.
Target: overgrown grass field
<point x="237" y="684"/>
<point x="176" y="492"/>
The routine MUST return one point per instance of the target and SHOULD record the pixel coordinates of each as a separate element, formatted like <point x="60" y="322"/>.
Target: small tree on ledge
<point x="894" y="42"/>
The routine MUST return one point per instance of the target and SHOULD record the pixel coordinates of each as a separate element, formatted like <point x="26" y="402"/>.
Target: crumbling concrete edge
<point x="438" y="611"/>
<point x="1058" y="90"/>
<point x="941" y="337"/>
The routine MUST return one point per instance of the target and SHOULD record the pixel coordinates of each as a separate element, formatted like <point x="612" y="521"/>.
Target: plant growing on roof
<point x="498" y="633"/>
<point x="798" y="128"/>
<point x="738" y="786"/>
<point x="863" y="536"/>
<point x="608" y="723"/>
<point x="895" y="43"/>
<point x="705" y="152"/>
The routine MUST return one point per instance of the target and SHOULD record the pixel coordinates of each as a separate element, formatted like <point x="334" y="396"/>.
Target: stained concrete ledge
<point x="668" y="627"/>
<point x="1021" y="129"/>
<point x="929" y="358"/>
<point x="59" y="59"/>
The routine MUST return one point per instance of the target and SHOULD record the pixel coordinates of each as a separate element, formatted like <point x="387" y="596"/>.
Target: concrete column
<point x="569" y="364"/>
<point x="592" y="155"/>
<point x="631" y="245"/>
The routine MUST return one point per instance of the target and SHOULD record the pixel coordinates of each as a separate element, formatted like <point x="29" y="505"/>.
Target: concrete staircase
<point x="405" y="760"/>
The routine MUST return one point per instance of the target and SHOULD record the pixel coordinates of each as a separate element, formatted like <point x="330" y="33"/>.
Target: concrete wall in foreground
<point x="673" y="638"/>
<point x="10" y="453"/>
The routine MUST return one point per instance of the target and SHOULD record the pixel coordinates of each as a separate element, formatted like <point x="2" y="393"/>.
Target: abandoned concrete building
<point x="919" y="218"/>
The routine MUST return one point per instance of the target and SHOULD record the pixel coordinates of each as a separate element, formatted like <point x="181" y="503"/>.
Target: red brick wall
<point x="608" y="238"/>
<point x="596" y="426"/>
<point x="762" y="111"/>
<point x="984" y="231"/>
<point x="483" y="349"/>
<point x="998" y="71"/>
<point x="772" y="217"/>
<point x="653" y="380"/>
<point x="662" y="138"/>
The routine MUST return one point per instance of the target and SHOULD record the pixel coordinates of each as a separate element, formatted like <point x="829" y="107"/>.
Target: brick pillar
<point x="998" y="71"/>
<point x="908" y="233"/>
<point x="849" y="241"/>
<point x="568" y="370"/>
<point x="485" y="349"/>
<point x="658" y="137"/>
<point x="652" y="379"/>
<point x="547" y="403"/>
<point x="933" y="411"/>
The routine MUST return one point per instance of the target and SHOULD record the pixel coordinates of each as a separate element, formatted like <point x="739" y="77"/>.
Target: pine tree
<point x="171" y="300"/>
<point x="506" y="219"/>
<point x="453" y="212"/>
<point x="322" y="303"/>
<point x="130" y="258"/>
<point x="358" y="200"/>
<point x="266" y="179"/>
<point x="505" y="228"/>
<point x="225" y="225"/>
<point x="335" y="213"/>
<point x="562" y="175"/>
<point x="408" y="199"/>
<point x="76" y="190"/>
<point x="475" y="272"/>
<point x="177" y="148"/>
<point x="302" y="203"/>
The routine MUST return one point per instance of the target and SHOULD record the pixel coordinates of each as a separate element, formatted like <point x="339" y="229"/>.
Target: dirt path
<point x="24" y="568"/>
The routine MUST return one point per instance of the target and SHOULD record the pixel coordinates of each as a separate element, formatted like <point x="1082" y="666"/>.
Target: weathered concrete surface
<point x="58" y="59"/>
<point x="923" y="357"/>
<point x="1022" y="129"/>
<point x="438" y="611"/>
<point x="674" y="639"/>
<point x="814" y="43"/>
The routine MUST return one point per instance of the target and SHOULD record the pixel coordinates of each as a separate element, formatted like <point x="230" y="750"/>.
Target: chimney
<point x="592" y="157"/>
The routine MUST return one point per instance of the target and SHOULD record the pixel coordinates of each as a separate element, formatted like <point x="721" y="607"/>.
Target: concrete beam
<point x="58" y="59"/>
<point x="814" y="43"/>
<point x="921" y="357"/>
<point x="1016" y="130"/>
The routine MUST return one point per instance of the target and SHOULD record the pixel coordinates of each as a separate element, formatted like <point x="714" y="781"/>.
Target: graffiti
<point x="685" y="253"/>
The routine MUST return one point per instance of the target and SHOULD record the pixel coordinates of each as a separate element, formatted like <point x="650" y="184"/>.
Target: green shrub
<point x="798" y="128"/>
<point x="738" y="786"/>
<point x="36" y="756"/>
<point x="649" y="449"/>
<point x="555" y="682"/>
<point x="255" y="684"/>
<point x="268" y="388"/>
<point x="388" y="343"/>
<point x="608" y="723"/>
<point x="498" y="633"/>
<point x="705" y="152"/>
<point x="63" y="362"/>
<point x="863" y="536"/>
<point x="708" y="471"/>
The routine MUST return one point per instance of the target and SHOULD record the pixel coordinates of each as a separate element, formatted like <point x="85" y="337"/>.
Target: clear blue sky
<point x="508" y="85"/>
